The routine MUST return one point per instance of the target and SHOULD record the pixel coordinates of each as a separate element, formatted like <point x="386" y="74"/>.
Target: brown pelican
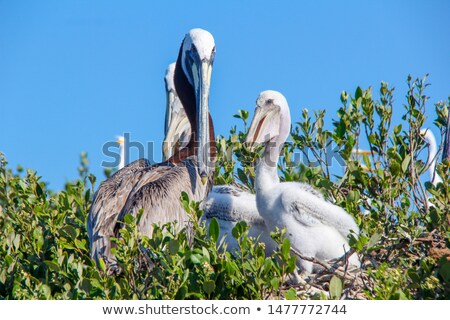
<point x="315" y="227"/>
<point x="229" y="204"/>
<point x="156" y="189"/>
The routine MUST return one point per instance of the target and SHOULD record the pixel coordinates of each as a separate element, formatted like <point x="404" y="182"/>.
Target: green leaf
<point x="239" y="229"/>
<point x="286" y="248"/>
<point x="181" y="293"/>
<point x="291" y="294"/>
<point x="69" y="231"/>
<point x="373" y="240"/>
<point x="444" y="270"/>
<point x="102" y="264"/>
<point x="52" y="266"/>
<point x="173" y="246"/>
<point x="206" y="256"/>
<point x="336" y="287"/>
<point x="214" y="229"/>
<point x="184" y="196"/>
<point x="268" y="264"/>
<point x="405" y="162"/>
<point x="209" y="286"/>
<point x="39" y="192"/>
<point x="80" y="244"/>
<point x="275" y="282"/>
<point x="128" y="219"/>
<point x="196" y="258"/>
<point x="358" y="93"/>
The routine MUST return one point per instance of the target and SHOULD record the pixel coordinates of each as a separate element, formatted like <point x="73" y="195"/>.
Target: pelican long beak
<point x="202" y="81"/>
<point x="265" y="122"/>
<point x="255" y="127"/>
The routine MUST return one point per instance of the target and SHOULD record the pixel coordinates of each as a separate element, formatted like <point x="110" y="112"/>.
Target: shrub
<point x="404" y="241"/>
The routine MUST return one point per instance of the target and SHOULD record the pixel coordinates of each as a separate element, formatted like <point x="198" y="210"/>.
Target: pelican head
<point x="177" y="128"/>
<point x="272" y="119"/>
<point x="120" y="140"/>
<point x="197" y="58"/>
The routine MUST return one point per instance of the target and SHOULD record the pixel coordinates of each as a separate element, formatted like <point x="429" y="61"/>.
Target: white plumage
<point x="432" y="155"/>
<point x="229" y="205"/>
<point x="315" y="227"/>
<point x="432" y="159"/>
<point x="121" y="142"/>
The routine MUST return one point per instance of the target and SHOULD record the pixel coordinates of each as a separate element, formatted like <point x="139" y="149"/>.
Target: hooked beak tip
<point x="204" y="178"/>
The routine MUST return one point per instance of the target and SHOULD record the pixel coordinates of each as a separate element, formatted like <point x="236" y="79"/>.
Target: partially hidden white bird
<point x="121" y="141"/>
<point x="315" y="227"/>
<point x="229" y="204"/>
<point x="432" y="155"/>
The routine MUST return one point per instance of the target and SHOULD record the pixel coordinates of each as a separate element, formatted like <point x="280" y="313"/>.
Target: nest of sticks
<point x="356" y="282"/>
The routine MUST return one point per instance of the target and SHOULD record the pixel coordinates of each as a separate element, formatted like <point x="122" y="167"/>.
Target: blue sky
<point x="74" y="74"/>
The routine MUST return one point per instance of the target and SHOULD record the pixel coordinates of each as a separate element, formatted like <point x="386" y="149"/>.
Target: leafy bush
<point x="404" y="242"/>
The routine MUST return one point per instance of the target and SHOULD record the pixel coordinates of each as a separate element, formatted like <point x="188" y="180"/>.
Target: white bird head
<point x="120" y="140"/>
<point x="272" y="119"/>
<point x="198" y="49"/>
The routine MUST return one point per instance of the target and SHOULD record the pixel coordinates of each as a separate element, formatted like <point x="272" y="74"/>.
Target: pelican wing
<point x="231" y="203"/>
<point x="311" y="210"/>
<point x="158" y="192"/>
<point x="107" y="202"/>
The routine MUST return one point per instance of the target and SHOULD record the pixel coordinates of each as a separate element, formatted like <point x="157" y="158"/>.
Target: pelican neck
<point x="267" y="168"/>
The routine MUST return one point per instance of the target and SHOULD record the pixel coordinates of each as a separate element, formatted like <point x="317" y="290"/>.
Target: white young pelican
<point x="315" y="227"/>
<point x="227" y="203"/>
<point x="156" y="189"/>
